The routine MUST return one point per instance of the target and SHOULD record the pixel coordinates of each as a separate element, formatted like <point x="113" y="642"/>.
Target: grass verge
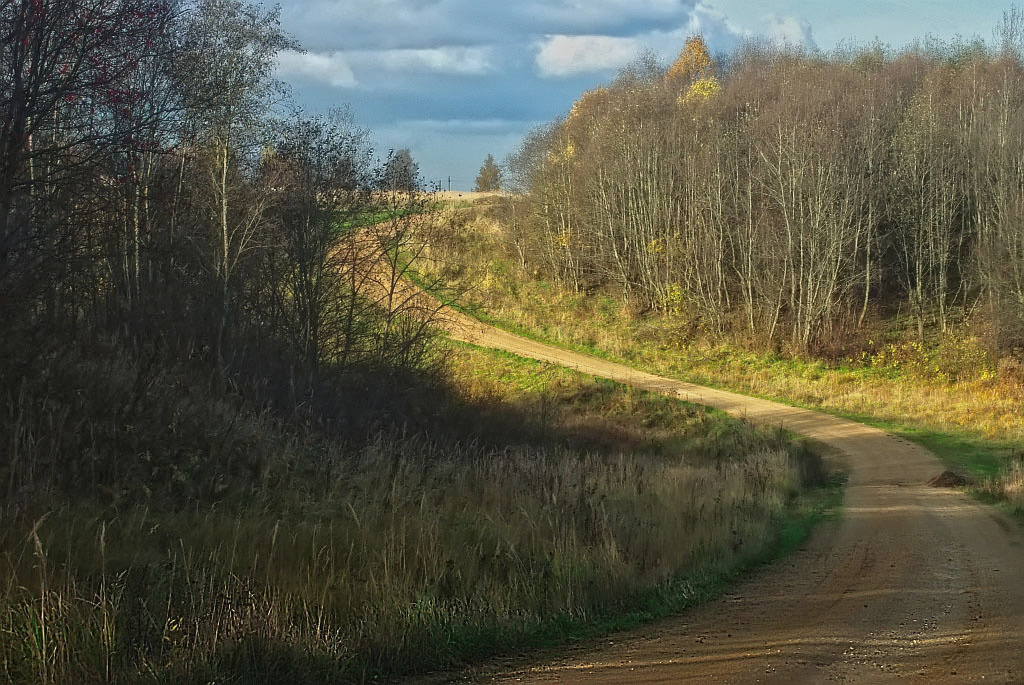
<point x="791" y="529"/>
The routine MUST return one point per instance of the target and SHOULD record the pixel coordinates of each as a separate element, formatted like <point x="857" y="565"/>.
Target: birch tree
<point x="226" y="71"/>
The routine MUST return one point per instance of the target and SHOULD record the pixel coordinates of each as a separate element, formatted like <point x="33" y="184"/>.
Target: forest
<point x="161" y="200"/>
<point x="792" y="198"/>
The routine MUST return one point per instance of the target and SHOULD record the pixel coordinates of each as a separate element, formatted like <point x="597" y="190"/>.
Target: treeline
<point x="789" y="196"/>
<point x="163" y="205"/>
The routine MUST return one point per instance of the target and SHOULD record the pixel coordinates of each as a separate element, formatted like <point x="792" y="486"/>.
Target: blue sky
<point x="455" y="80"/>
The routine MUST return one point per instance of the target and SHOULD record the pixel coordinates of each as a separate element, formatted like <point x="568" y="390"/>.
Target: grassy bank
<point x="407" y="551"/>
<point x="948" y="395"/>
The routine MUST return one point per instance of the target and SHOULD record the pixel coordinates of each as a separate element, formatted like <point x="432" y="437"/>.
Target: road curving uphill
<point x="915" y="584"/>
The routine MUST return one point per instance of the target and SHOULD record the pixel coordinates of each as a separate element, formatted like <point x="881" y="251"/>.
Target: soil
<point x="912" y="584"/>
<point x="948" y="479"/>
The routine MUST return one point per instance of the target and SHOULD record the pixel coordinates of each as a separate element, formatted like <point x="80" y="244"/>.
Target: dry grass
<point x="412" y="550"/>
<point x="394" y="556"/>
<point x="1008" y="487"/>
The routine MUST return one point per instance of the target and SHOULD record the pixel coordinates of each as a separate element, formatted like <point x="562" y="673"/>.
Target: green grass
<point x="375" y="216"/>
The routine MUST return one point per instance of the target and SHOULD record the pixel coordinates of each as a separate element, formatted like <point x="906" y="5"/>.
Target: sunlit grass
<point x="948" y="395"/>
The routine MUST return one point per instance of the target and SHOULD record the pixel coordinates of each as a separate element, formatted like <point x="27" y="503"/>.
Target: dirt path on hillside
<point x="914" y="583"/>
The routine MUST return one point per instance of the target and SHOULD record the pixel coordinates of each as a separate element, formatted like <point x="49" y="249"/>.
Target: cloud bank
<point x="456" y="80"/>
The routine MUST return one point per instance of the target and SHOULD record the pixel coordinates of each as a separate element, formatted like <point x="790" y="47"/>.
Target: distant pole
<point x="449" y="184"/>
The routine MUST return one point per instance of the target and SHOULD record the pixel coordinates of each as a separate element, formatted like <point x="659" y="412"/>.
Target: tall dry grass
<point x="414" y="547"/>
<point x="339" y="562"/>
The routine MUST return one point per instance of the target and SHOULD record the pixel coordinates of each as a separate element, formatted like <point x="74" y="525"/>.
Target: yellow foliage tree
<point x="693" y="63"/>
<point x="702" y="89"/>
<point x="694" y="71"/>
<point x="589" y="102"/>
<point x="578" y="125"/>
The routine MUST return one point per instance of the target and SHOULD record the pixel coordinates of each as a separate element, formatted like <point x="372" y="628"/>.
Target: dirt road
<point x="914" y="584"/>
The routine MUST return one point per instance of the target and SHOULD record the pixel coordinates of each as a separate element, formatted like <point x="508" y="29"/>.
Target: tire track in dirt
<point x="914" y="584"/>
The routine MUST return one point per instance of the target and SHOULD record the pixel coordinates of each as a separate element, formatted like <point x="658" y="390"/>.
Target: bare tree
<point x="226" y="70"/>
<point x="321" y="169"/>
<point x="400" y="172"/>
<point x="931" y="201"/>
<point x="80" y="80"/>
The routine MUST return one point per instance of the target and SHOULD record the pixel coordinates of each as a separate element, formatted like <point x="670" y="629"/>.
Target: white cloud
<point x="330" y="68"/>
<point x="339" y="69"/>
<point x="567" y="55"/>
<point x="789" y="30"/>
<point x="461" y="61"/>
<point x="720" y="33"/>
<point x="571" y="55"/>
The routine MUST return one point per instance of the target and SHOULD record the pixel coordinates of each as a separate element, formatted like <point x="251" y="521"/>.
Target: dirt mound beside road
<point x="948" y="479"/>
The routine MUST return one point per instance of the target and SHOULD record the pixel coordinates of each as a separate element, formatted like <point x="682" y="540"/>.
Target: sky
<point x="456" y="80"/>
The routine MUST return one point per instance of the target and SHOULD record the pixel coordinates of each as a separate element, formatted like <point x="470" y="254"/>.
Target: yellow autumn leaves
<point x="694" y="62"/>
<point x="694" y="71"/>
<point x="703" y="89"/>
<point x="692" y="75"/>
